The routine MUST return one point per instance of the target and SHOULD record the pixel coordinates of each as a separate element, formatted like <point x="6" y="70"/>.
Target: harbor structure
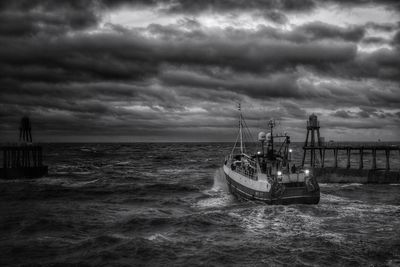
<point x="318" y="150"/>
<point x="312" y="132"/>
<point x="23" y="159"/>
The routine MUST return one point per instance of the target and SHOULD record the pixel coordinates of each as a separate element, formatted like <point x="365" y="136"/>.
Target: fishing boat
<point x="268" y="173"/>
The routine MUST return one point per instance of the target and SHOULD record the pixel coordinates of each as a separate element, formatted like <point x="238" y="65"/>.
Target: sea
<point x="167" y="204"/>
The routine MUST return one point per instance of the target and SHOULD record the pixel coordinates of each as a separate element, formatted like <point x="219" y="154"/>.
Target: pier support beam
<point x="4" y="158"/>
<point x="387" y="152"/>
<point x="348" y="158"/>
<point x="361" y="164"/>
<point x="22" y="161"/>
<point x="373" y="158"/>
<point x="335" y="154"/>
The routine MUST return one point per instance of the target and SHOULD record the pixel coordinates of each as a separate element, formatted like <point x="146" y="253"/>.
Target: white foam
<point x="122" y="163"/>
<point x="219" y="195"/>
<point x="219" y="181"/>
<point x="82" y="173"/>
<point x="223" y="199"/>
<point x="64" y="182"/>
<point x="158" y="237"/>
<point x="352" y="184"/>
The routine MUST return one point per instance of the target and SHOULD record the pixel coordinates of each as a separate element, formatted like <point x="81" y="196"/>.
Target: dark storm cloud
<point x="351" y="125"/>
<point x="396" y="39"/>
<point x="30" y="17"/>
<point x="319" y="30"/>
<point x="275" y="16"/>
<point x="294" y="110"/>
<point x="77" y="58"/>
<point x="342" y="114"/>
<point x="132" y="56"/>
<point x="385" y="27"/>
<point x="375" y="40"/>
<point x="27" y="18"/>
<point x="383" y="64"/>
<point x="392" y="4"/>
<point x="24" y="17"/>
<point x="278" y="85"/>
<point x="364" y="113"/>
<point x="57" y="66"/>
<point x="361" y="93"/>
<point x="188" y="6"/>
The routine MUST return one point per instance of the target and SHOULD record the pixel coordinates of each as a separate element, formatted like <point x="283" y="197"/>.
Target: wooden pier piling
<point x="362" y="174"/>
<point x="348" y="158"/>
<point x="361" y="149"/>
<point x="371" y="173"/>
<point x="23" y="159"/>
<point x="373" y="158"/>
<point x="387" y="152"/>
<point x="335" y="151"/>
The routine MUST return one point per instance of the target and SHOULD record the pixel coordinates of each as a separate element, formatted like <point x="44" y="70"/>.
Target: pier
<point x="23" y="159"/>
<point x="342" y="170"/>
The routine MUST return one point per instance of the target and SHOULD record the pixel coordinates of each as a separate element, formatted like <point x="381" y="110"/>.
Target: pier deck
<point x="22" y="161"/>
<point x="349" y="174"/>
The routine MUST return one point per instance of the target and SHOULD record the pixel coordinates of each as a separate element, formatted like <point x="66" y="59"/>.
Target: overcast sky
<point x="173" y="70"/>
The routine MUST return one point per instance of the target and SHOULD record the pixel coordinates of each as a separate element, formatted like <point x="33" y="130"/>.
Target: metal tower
<point x="25" y="134"/>
<point x="312" y="129"/>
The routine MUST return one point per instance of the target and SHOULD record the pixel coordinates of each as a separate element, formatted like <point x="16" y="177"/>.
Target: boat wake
<point x="218" y="195"/>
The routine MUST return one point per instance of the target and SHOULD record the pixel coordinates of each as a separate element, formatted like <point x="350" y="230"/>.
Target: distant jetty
<point x="317" y="149"/>
<point x="23" y="159"/>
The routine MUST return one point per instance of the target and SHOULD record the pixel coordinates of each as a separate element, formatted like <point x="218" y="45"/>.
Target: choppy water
<point x="167" y="204"/>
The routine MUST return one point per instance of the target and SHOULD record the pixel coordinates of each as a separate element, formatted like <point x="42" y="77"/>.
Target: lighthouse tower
<point x="313" y="133"/>
<point x="25" y="134"/>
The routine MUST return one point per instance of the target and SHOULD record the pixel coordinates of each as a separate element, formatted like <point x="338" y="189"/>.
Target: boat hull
<point x="291" y="195"/>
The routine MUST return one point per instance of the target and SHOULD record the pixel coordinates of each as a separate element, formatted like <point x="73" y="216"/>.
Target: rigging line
<point x="250" y="136"/>
<point x="233" y="149"/>
<point x="245" y="132"/>
<point x="250" y="141"/>
<point x="282" y="145"/>
<point x="241" y="131"/>
<point x="247" y="128"/>
<point x="242" y="144"/>
<point x="247" y="136"/>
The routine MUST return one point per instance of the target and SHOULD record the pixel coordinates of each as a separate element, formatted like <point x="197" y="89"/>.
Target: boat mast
<point x="272" y="136"/>
<point x="271" y="124"/>
<point x="240" y="129"/>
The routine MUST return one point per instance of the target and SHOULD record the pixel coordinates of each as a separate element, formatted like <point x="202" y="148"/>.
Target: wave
<point x="164" y="157"/>
<point x="170" y="187"/>
<point x="137" y="205"/>
<point x="195" y="222"/>
<point x="218" y="195"/>
<point x="158" y="237"/>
